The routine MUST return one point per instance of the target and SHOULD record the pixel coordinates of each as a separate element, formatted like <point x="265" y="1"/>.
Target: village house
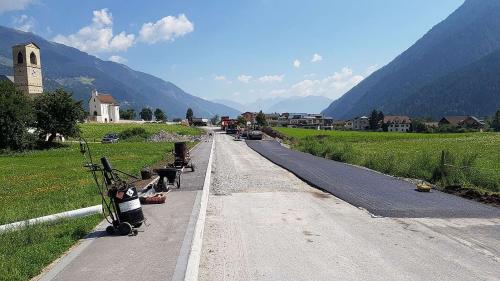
<point x="103" y="108"/>
<point x="273" y="119"/>
<point x="312" y="121"/>
<point x="462" y="121"/>
<point x="348" y="124"/>
<point x="249" y="116"/>
<point x="360" y="123"/>
<point x="397" y="123"/>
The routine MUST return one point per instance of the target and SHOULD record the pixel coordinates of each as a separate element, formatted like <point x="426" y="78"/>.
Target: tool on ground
<point x="119" y="198"/>
<point x="424" y="187"/>
<point x="182" y="157"/>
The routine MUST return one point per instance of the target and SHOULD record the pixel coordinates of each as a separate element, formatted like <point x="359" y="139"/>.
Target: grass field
<point x="408" y="154"/>
<point x="96" y="131"/>
<point x="38" y="183"/>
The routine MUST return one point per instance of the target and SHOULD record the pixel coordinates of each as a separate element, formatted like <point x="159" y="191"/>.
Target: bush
<point x="135" y="133"/>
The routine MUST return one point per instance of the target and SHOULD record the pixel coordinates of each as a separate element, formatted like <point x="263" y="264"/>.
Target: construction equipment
<point x="182" y="157"/>
<point x="255" y="135"/>
<point x="119" y="198"/>
<point x="230" y="126"/>
<point x="169" y="176"/>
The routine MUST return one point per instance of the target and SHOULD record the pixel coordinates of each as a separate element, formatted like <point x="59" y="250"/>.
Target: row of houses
<point x="403" y="123"/>
<point x="390" y="123"/>
<point x="303" y="120"/>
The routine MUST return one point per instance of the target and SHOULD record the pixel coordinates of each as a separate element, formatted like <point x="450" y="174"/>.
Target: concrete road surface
<point x="263" y="223"/>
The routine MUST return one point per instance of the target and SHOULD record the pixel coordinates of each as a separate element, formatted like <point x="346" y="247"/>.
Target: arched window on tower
<point x="33" y="58"/>
<point x="20" y="59"/>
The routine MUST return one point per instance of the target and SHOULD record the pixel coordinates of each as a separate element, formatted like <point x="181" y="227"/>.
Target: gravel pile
<point x="163" y="136"/>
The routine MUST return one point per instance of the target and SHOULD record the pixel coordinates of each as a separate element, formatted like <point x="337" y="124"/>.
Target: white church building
<point x="103" y="108"/>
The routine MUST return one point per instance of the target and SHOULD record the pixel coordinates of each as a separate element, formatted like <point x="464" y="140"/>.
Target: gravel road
<point x="263" y="223"/>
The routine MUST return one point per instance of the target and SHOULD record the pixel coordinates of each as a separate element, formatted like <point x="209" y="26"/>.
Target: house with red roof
<point x="397" y="123"/>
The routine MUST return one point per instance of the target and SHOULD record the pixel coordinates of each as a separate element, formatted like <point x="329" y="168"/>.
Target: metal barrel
<point x="129" y="207"/>
<point x="180" y="149"/>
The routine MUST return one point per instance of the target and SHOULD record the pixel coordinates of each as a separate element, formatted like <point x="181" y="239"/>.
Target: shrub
<point x="135" y="133"/>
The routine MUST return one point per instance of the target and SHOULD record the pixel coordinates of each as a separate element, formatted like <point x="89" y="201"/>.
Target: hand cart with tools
<point x="182" y="158"/>
<point x="169" y="176"/>
<point x="119" y="198"/>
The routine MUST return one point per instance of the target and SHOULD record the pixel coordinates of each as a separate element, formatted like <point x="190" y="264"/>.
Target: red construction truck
<point x="229" y="125"/>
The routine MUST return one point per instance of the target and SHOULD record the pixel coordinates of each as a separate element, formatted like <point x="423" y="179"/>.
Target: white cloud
<point x="98" y="36"/>
<point x="14" y="5"/>
<point x="118" y="59"/>
<point x="165" y="29"/>
<point x="220" y="78"/>
<point x="296" y="63"/>
<point x="316" y="58"/>
<point x="102" y="17"/>
<point x="24" y="23"/>
<point x="244" y="78"/>
<point x="332" y="86"/>
<point x="271" y="78"/>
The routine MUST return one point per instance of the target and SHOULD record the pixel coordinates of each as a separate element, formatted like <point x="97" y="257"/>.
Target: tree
<point x="128" y="114"/>
<point x="16" y="115"/>
<point x="146" y="114"/>
<point x="376" y="119"/>
<point x="495" y="123"/>
<point x="214" y="120"/>
<point x="57" y="112"/>
<point x="261" y="119"/>
<point x="380" y="117"/>
<point x="159" y="115"/>
<point x="189" y="115"/>
<point x="242" y="120"/>
<point x="418" y="126"/>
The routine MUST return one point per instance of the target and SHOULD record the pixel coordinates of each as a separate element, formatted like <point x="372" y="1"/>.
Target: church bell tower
<point x="27" y="69"/>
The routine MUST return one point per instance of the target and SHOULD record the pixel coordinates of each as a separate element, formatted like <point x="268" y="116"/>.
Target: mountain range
<point x="309" y="104"/>
<point x="452" y="70"/>
<point x="80" y="73"/>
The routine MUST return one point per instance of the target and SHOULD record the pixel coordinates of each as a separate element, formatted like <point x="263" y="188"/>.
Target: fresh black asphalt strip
<point x="380" y="194"/>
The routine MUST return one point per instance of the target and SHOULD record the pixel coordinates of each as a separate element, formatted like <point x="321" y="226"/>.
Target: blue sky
<point x="238" y="50"/>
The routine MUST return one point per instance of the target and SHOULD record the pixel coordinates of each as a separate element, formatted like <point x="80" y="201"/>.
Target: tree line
<point x="145" y="114"/>
<point x="27" y="123"/>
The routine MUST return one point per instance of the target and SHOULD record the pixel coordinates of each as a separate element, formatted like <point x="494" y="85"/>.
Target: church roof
<point x="108" y="99"/>
<point x="27" y="43"/>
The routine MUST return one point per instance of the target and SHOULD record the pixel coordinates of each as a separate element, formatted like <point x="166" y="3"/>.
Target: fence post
<point x="442" y="167"/>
